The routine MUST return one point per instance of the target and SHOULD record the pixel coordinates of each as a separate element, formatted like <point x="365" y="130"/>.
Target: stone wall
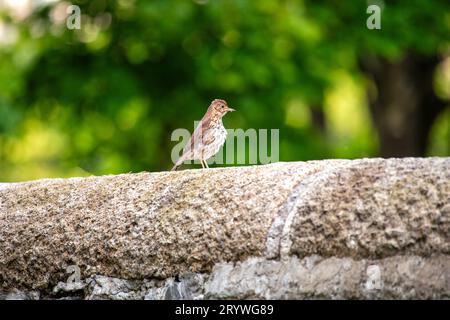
<point x="368" y="228"/>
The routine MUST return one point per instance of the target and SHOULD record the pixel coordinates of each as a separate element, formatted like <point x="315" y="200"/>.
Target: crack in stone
<point x="278" y="242"/>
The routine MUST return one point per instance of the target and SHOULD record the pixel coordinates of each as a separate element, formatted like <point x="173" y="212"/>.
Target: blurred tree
<point x="400" y="60"/>
<point x="406" y="105"/>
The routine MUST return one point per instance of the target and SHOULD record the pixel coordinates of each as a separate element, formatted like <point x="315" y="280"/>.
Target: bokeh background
<point x="105" y="99"/>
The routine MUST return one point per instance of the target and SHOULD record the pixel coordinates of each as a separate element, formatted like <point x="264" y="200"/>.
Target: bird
<point x="209" y="135"/>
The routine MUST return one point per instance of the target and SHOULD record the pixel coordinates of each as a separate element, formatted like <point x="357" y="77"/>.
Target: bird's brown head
<point x="219" y="108"/>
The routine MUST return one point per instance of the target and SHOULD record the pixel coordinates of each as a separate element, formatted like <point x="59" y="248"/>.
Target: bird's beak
<point x="231" y="109"/>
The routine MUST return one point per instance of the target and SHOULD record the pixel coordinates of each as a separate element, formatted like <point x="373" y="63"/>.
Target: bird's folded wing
<point x="208" y="137"/>
<point x="202" y="136"/>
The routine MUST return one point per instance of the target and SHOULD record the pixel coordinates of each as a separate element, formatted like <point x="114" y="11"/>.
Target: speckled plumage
<point x="208" y="137"/>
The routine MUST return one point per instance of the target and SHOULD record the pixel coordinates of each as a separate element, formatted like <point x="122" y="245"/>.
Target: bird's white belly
<point x="220" y="135"/>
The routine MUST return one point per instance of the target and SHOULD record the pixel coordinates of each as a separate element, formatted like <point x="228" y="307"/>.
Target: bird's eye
<point x="222" y="106"/>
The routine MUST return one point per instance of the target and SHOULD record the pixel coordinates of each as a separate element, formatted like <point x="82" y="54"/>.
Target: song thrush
<point x="209" y="135"/>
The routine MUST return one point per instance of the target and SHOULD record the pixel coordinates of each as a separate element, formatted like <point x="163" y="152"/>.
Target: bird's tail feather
<point x="178" y="164"/>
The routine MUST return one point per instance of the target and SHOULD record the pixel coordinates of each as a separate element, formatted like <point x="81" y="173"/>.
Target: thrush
<point x="209" y="135"/>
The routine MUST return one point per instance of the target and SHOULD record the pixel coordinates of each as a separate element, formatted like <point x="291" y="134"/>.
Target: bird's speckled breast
<point x="220" y="135"/>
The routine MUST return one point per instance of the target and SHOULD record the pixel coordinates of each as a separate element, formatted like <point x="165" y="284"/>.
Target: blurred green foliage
<point x="105" y="99"/>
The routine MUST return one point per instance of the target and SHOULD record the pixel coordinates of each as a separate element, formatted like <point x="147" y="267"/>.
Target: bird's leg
<point x="201" y="161"/>
<point x="206" y="164"/>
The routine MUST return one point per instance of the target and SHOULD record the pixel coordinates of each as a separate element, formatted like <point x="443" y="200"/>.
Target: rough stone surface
<point x="399" y="277"/>
<point x="313" y="277"/>
<point x="140" y="225"/>
<point x="373" y="209"/>
<point x="368" y="228"/>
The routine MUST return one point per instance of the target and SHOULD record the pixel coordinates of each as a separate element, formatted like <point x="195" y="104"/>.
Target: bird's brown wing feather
<point x="201" y="134"/>
<point x="206" y="126"/>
